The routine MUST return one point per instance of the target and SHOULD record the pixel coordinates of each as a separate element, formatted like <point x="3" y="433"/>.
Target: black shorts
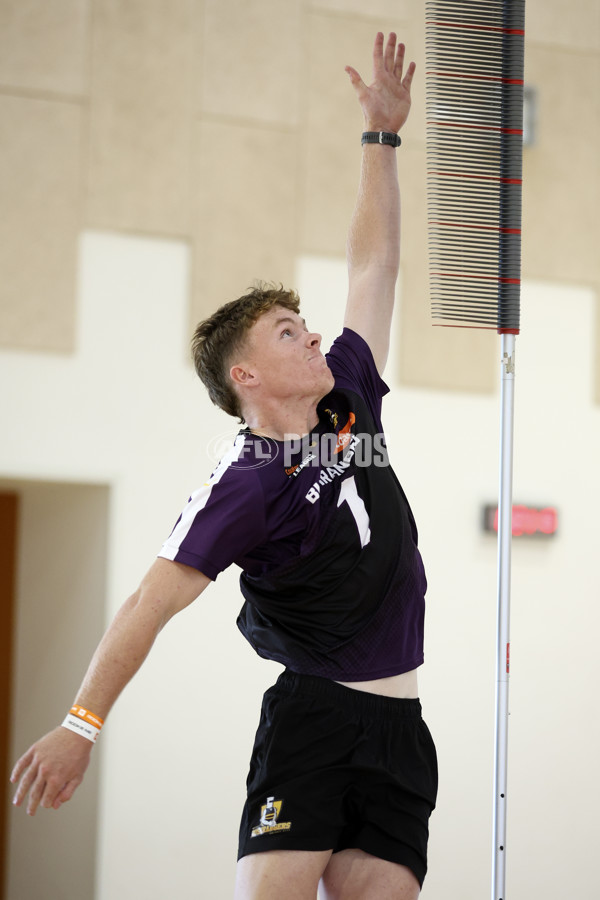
<point x="334" y="768"/>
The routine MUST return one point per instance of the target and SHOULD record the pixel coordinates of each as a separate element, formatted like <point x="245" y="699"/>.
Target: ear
<point x="243" y="376"/>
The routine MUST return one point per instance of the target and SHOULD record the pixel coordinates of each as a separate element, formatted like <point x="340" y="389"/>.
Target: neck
<point x="282" y="422"/>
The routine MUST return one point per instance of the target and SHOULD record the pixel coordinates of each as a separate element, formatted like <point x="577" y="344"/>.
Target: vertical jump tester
<point x="474" y="62"/>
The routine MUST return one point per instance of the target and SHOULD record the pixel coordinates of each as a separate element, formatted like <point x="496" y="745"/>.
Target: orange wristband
<point x="87" y="716"/>
<point x="83" y="722"/>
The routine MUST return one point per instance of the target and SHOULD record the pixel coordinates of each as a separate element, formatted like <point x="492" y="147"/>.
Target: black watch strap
<point x="381" y="137"/>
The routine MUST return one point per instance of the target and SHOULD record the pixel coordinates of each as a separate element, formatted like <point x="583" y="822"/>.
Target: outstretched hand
<point x="386" y="102"/>
<point x="51" y="770"/>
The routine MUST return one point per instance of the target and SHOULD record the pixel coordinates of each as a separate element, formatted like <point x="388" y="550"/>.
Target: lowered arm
<point x="54" y="766"/>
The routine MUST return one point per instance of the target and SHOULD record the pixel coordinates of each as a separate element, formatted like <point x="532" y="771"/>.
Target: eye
<point x="286" y="331"/>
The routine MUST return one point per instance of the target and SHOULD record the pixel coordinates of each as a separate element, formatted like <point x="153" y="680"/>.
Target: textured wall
<point x="231" y="124"/>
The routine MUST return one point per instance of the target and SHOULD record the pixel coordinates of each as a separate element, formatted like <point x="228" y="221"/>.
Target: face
<point x="285" y="358"/>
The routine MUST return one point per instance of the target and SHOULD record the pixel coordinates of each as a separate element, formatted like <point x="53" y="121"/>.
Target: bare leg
<point x="293" y="874"/>
<point x="356" y="875"/>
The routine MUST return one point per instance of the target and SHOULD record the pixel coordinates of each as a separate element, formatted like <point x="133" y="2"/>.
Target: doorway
<point x="59" y="552"/>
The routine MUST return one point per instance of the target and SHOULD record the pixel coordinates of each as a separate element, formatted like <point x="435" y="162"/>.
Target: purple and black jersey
<point x="331" y="575"/>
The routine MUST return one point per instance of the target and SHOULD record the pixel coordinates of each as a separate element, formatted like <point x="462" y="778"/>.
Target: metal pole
<point x="503" y="628"/>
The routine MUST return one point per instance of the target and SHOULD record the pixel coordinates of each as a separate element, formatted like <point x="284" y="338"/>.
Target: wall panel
<point x="141" y="116"/>
<point x="251" y="61"/>
<point x="40" y="153"/>
<point x="245" y="212"/>
<point x="44" y="45"/>
<point x="566" y="23"/>
<point x="561" y="172"/>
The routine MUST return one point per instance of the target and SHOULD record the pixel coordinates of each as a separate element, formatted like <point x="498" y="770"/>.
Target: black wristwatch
<point x="381" y="137"/>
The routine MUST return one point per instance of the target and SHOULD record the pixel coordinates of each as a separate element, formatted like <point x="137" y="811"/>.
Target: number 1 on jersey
<point x="349" y="495"/>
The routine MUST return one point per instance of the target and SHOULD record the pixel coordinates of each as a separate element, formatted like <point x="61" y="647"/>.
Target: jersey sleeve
<point x="353" y="367"/>
<point x="223" y="521"/>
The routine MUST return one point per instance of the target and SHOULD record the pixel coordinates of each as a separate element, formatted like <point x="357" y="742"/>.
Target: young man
<point x="343" y="774"/>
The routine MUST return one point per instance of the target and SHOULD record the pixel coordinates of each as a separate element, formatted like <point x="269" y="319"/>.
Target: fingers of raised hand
<point x="390" y="60"/>
<point x="383" y="57"/>
<point x="398" y="61"/>
<point x="355" y="78"/>
<point x="390" y="52"/>
<point x="407" y="80"/>
<point x="378" y="53"/>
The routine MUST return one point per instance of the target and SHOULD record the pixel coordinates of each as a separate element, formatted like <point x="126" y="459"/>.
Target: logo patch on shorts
<point x="269" y="818"/>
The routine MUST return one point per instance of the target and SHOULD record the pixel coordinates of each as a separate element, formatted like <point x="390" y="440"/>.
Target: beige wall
<point x="231" y="124"/>
<point x="152" y="164"/>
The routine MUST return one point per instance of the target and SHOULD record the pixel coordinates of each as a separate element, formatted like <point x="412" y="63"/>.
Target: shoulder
<point x="224" y="518"/>
<point x="238" y="471"/>
<point x="353" y="367"/>
<point x="350" y="352"/>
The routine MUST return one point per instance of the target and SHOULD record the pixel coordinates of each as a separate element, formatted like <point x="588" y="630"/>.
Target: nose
<point x="314" y="340"/>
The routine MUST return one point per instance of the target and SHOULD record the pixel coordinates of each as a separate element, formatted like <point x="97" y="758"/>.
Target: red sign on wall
<point x="526" y="520"/>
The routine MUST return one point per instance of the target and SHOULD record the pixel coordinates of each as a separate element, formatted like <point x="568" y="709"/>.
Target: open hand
<point x="386" y="102"/>
<point x="51" y="769"/>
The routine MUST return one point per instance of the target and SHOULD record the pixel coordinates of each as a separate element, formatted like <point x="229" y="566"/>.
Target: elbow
<point x="374" y="265"/>
<point x="147" y="610"/>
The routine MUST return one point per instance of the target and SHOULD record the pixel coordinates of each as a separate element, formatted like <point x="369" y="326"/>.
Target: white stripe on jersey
<point x="198" y="501"/>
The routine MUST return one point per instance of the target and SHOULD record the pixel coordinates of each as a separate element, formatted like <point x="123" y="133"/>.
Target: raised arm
<point x="373" y="250"/>
<point x="54" y="766"/>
